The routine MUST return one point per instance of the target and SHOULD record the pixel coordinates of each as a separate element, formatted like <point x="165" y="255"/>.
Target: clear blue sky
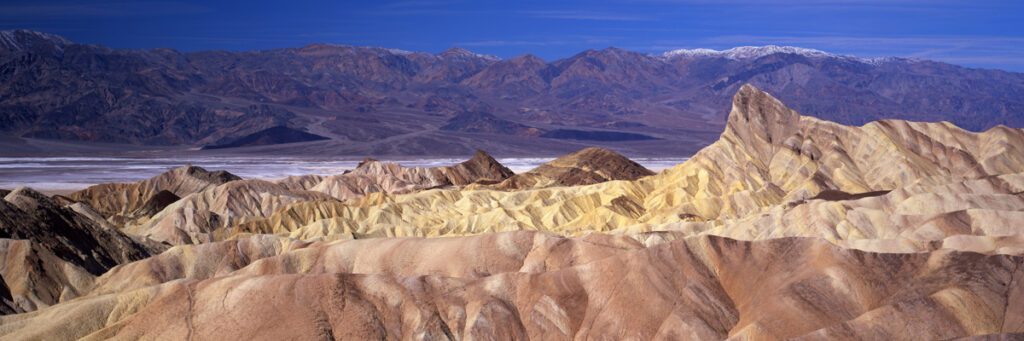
<point x="972" y="33"/>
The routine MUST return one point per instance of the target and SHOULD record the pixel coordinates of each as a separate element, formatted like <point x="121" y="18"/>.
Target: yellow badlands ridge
<point x="758" y="181"/>
<point x="787" y="227"/>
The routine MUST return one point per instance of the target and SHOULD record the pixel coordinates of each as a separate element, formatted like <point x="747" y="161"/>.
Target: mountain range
<point x="786" y="227"/>
<point x="348" y="100"/>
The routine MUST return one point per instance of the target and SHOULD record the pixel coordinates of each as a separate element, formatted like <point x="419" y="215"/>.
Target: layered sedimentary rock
<point x="372" y="176"/>
<point x="122" y="203"/>
<point x="768" y="156"/>
<point x="788" y="227"/>
<point x="194" y="218"/>
<point x="584" y="167"/>
<point x="51" y="253"/>
<point x="199" y="216"/>
<point x="300" y="182"/>
<point x="533" y="285"/>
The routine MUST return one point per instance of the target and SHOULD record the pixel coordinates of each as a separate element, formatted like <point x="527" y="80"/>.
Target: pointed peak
<point x="617" y="51"/>
<point x="599" y="158"/>
<point x="217" y="177"/>
<point x="26" y="192"/>
<point x="484" y="161"/>
<point x="29" y="200"/>
<point x="365" y="162"/>
<point x="526" y="59"/>
<point x="456" y="50"/>
<point x="482" y="156"/>
<point x="757" y="118"/>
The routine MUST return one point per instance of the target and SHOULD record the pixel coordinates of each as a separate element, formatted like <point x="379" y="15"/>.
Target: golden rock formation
<point x="768" y="157"/>
<point x="198" y="217"/>
<point x="194" y="218"/>
<point x="788" y="227"/>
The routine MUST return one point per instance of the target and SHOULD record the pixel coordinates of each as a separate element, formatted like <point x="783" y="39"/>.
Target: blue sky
<point x="978" y="33"/>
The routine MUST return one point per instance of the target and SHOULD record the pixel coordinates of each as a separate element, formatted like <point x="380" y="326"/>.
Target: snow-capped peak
<point x="747" y="52"/>
<point x="461" y="52"/>
<point x="20" y="40"/>
<point x="754" y="52"/>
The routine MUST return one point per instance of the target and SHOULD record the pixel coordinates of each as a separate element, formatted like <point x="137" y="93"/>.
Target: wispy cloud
<point x="585" y="15"/>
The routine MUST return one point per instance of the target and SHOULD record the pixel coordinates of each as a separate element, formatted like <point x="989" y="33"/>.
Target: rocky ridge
<point x="51" y="253"/>
<point x="377" y="101"/>
<point x="585" y="167"/>
<point x="788" y="227"/>
<point x="121" y="203"/>
<point x="372" y="176"/>
<point x="535" y="285"/>
<point x="767" y="156"/>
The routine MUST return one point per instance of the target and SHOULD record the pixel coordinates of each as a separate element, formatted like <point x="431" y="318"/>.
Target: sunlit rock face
<point x="536" y="285"/>
<point x="787" y="227"/>
<point x="190" y="205"/>
<point x="769" y="160"/>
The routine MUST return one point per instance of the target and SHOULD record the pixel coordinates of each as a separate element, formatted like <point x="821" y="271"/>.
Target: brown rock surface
<point x="788" y="227"/>
<point x="123" y="203"/>
<point x="585" y="167"/>
<point x="372" y="176"/>
<point x="698" y="288"/>
<point x="51" y="253"/>
<point x="194" y="218"/>
<point x="768" y="156"/>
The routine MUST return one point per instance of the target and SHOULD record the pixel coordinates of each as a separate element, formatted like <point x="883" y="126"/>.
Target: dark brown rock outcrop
<point x="124" y="203"/>
<point x="584" y="167"/>
<point x="51" y="253"/>
<point x="373" y="176"/>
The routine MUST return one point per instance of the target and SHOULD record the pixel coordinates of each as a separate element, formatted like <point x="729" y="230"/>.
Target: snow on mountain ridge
<point x="754" y="52"/>
<point x="19" y="40"/>
<point x="748" y="52"/>
<point x="461" y="52"/>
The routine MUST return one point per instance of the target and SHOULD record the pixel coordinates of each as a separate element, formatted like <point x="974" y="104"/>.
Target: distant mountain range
<point x="377" y="101"/>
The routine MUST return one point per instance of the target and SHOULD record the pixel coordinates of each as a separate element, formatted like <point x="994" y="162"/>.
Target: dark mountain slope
<point x="273" y="135"/>
<point x="370" y="99"/>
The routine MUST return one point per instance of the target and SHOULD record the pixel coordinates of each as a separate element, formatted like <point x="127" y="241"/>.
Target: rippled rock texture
<point x="787" y="227"/>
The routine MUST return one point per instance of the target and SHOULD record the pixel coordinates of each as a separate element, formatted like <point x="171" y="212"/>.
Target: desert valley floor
<point x="787" y="227"/>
